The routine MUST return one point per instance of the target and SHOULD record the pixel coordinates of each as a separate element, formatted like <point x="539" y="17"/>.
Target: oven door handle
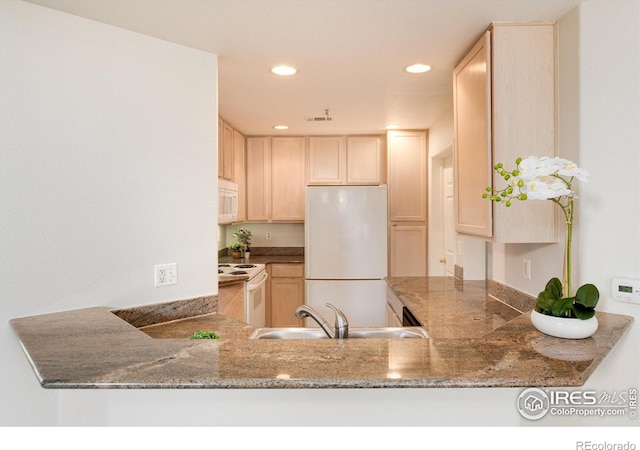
<point x="258" y="284"/>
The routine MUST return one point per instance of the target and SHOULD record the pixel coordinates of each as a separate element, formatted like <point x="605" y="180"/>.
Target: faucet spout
<point x="341" y="330"/>
<point x="307" y="311"/>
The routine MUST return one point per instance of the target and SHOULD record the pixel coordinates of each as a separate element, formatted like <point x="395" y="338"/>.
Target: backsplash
<point x="512" y="297"/>
<point x="145" y="315"/>
<point x="268" y="251"/>
<point x="266" y="234"/>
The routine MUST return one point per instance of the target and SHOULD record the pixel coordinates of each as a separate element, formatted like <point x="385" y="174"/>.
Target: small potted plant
<point x="243" y="236"/>
<point x="558" y="310"/>
<point x="236" y="250"/>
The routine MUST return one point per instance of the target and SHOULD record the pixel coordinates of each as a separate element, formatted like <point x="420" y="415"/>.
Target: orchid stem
<point x="566" y="270"/>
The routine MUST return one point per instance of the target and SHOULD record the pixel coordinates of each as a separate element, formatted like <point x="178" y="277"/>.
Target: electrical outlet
<point x="526" y="268"/>
<point x="165" y="274"/>
<point x="268" y="235"/>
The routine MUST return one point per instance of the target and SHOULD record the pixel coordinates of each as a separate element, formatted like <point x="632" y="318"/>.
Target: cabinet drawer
<point x="287" y="271"/>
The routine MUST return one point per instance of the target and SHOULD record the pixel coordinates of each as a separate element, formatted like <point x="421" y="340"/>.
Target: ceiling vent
<point x="325" y="118"/>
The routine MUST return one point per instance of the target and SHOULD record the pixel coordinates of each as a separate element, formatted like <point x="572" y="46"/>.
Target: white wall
<point x="599" y="119"/>
<point x="608" y="117"/>
<point x="107" y="167"/>
<point x="609" y="142"/>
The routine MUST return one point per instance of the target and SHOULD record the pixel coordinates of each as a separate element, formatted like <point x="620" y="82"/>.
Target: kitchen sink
<point x="354" y="333"/>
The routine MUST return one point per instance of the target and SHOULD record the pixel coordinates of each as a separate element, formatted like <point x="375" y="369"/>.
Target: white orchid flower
<point x="564" y="167"/>
<point x="533" y="167"/>
<point x="545" y="188"/>
<point x="530" y="167"/>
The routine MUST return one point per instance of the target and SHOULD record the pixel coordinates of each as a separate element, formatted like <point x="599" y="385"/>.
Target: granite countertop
<point x="491" y="345"/>
<point x="264" y="259"/>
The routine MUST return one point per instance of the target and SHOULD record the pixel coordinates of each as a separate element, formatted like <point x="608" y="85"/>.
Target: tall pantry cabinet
<point x="407" y="185"/>
<point x="504" y="108"/>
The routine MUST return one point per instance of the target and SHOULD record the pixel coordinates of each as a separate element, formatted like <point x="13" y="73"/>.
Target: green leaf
<point x="560" y="307"/>
<point x="554" y="288"/>
<point x="204" y="335"/>
<point x="545" y="301"/>
<point x="583" y="312"/>
<point x="588" y="296"/>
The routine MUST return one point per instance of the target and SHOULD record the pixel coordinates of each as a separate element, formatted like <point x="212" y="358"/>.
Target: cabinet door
<point x="287" y="293"/>
<point x="472" y="119"/>
<point x="288" y="179"/>
<point x="239" y="175"/>
<point x="407" y="176"/>
<point x="326" y="160"/>
<point x="524" y="121"/>
<point x="408" y="251"/>
<point x="231" y="301"/>
<point x="364" y="160"/>
<point x="227" y="150"/>
<point x="258" y="178"/>
<point x="220" y="148"/>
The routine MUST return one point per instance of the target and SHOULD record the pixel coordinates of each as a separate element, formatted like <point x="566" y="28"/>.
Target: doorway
<point x="442" y="234"/>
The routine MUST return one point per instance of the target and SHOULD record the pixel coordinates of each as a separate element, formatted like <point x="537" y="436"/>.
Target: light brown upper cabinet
<point x="225" y="150"/>
<point x="239" y="173"/>
<point x="504" y="107"/>
<point x="220" y="147"/>
<point x="365" y="160"/>
<point x="327" y="160"/>
<point x="258" y="179"/>
<point x="275" y="179"/>
<point x="407" y="175"/>
<point x="340" y="160"/>
<point x="288" y="171"/>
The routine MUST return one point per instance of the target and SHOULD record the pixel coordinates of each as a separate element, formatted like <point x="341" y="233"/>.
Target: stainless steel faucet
<point x="341" y="329"/>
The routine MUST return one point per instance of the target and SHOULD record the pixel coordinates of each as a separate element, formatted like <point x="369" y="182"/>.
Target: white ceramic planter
<point x="564" y="327"/>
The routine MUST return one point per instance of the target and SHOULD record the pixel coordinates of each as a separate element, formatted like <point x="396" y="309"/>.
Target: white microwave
<point x="227" y="201"/>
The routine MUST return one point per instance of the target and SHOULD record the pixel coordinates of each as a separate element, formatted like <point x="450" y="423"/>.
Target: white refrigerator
<point x="346" y="252"/>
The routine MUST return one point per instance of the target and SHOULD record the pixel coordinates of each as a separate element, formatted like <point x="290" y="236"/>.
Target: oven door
<point x="255" y="299"/>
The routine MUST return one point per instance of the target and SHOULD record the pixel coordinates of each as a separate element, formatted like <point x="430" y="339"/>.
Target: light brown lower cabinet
<point x="231" y="300"/>
<point x="408" y="250"/>
<point x="285" y="294"/>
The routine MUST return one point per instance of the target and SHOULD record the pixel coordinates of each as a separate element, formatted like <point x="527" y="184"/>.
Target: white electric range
<point x="230" y="270"/>
<point x="254" y="289"/>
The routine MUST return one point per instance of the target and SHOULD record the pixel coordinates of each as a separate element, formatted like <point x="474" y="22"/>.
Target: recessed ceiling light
<point x="392" y="127"/>
<point x="284" y="70"/>
<point x="281" y="127"/>
<point x="417" y="68"/>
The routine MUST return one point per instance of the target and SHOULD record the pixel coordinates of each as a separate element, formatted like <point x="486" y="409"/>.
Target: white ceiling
<point x="350" y="53"/>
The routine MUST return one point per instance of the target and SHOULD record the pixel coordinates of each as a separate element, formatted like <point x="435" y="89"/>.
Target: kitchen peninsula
<point x="477" y="341"/>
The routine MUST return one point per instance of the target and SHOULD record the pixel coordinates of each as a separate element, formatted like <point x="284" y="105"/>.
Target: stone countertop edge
<point x="94" y="348"/>
<point x="264" y="259"/>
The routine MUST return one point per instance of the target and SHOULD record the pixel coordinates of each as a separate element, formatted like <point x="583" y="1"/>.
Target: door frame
<point x="436" y="245"/>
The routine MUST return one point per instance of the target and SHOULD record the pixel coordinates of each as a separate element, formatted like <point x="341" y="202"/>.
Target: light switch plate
<point x="626" y="290"/>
